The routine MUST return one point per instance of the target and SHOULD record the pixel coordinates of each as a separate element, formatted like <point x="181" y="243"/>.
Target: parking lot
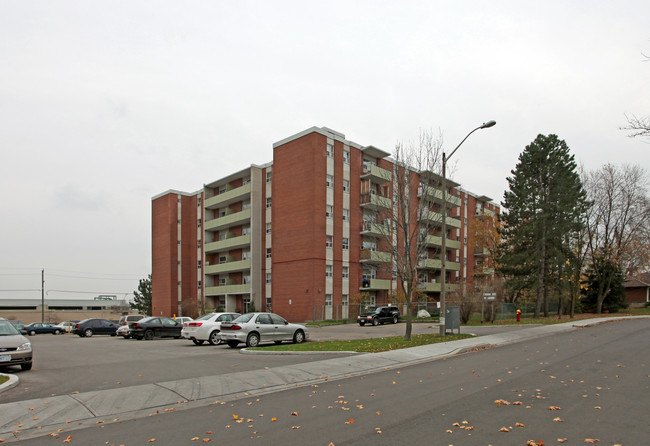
<point x="65" y="364"/>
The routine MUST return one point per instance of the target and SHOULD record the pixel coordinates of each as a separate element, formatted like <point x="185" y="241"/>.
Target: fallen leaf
<point x="350" y="421"/>
<point x="295" y="414"/>
<point x="194" y="439"/>
<point x="558" y="419"/>
<point x="274" y="419"/>
<point x="68" y="440"/>
<point x="151" y="440"/>
<point x="561" y="440"/>
<point x="554" y="408"/>
<point x="504" y="429"/>
<point x="520" y="425"/>
<point x="205" y="440"/>
<point x="295" y="427"/>
<point x="591" y="440"/>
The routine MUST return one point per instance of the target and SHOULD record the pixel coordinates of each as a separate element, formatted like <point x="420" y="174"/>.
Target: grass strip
<point x="374" y="345"/>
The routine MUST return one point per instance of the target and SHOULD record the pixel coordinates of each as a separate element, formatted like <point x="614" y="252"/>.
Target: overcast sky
<point x="105" y="104"/>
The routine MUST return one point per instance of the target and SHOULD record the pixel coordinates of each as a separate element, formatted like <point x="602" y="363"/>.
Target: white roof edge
<point x="176" y="192"/>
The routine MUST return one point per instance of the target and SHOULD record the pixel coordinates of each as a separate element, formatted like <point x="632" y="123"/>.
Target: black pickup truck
<point x="379" y="315"/>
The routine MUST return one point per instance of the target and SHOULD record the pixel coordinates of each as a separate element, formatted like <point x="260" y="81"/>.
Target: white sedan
<point x="253" y="328"/>
<point x="206" y="328"/>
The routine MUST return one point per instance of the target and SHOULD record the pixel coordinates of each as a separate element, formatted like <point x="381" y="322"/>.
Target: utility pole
<point x="43" y="295"/>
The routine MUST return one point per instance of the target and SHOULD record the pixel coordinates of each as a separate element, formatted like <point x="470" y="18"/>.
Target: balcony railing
<point x="228" y="244"/>
<point x="370" y="256"/>
<point x="375" y="202"/>
<point x="228" y="197"/>
<point x="233" y="219"/>
<point x="434" y="240"/>
<point x="375" y="284"/>
<point x="229" y="267"/>
<point x="228" y="289"/>
<point x="435" y="287"/>
<point x="375" y="229"/>
<point x="376" y="174"/>
<point x="433" y="194"/>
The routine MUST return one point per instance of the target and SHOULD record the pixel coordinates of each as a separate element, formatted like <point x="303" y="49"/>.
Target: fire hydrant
<point x="518" y="315"/>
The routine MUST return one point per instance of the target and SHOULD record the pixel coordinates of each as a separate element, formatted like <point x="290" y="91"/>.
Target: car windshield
<point x="205" y="317"/>
<point x="244" y="318"/>
<point x="146" y="319"/>
<point x="8" y="329"/>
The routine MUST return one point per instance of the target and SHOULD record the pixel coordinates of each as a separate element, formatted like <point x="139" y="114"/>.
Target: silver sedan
<point x="253" y="328"/>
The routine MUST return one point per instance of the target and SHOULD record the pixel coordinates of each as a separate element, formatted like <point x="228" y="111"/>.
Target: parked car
<point x="15" y="349"/>
<point x="67" y="326"/>
<point x="206" y="328"/>
<point x="253" y="328"/>
<point x="152" y="327"/>
<point x="124" y="320"/>
<point x="123" y="330"/>
<point x="90" y="327"/>
<point x="379" y="315"/>
<point x="42" y="327"/>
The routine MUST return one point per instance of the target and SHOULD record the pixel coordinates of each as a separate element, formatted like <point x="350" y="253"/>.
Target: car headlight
<point x="26" y="347"/>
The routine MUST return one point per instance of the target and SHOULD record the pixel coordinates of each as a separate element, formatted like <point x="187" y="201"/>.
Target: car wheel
<point x="148" y="335"/>
<point x="213" y="339"/>
<point x="375" y="322"/>
<point x="26" y="366"/>
<point x="233" y="344"/>
<point x="88" y="332"/>
<point x="198" y="341"/>
<point x="361" y="324"/>
<point x="299" y="337"/>
<point x="126" y="336"/>
<point x="253" y="340"/>
<point x="139" y="338"/>
<point x="32" y="333"/>
<point x="56" y="332"/>
<point x="395" y="319"/>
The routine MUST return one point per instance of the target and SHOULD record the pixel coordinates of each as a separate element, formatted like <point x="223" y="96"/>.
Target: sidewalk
<point x="37" y="417"/>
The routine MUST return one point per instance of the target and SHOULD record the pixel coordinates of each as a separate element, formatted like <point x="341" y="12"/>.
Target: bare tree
<point x="637" y="126"/>
<point x="410" y="221"/>
<point x="618" y="220"/>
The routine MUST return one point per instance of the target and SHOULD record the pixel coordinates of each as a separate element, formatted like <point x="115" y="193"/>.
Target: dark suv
<point x="89" y="327"/>
<point x="379" y="315"/>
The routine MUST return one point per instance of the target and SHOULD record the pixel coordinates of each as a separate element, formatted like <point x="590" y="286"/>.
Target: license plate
<point x="5" y="358"/>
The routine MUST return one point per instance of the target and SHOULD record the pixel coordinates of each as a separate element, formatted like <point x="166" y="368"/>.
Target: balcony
<point x="228" y="289"/>
<point x="234" y="219"/>
<point x="435" y="287"/>
<point x="481" y="252"/>
<point x="480" y="271"/>
<point x="429" y="264"/>
<point x="376" y="174"/>
<point x="229" y="267"/>
<point x="228" y="244"/>
<point x="370" y="256"/>
<point x="375" y="229"/>
<point x="227" y="198"/>
<point x="433" y="194"/>
<point x="452" y="266"/>
<point x="434" y="240"/>
<point x="375" y="285"/>
<point x="375" y="202"/>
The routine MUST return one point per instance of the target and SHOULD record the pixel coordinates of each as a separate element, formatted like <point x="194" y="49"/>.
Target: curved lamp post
<point x="443" y="260"/>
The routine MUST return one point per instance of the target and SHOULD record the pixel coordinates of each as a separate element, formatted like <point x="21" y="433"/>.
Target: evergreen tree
<point x="603" y="273"/>
<point x="542" y="215"/>
<point x="142" y="297"/>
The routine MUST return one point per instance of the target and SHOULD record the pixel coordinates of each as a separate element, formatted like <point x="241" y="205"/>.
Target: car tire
<point x="253" y="340"/>
<point x="148" y="335"/>
<point x="126" y="336"/>
<point x="299" y="337"/>
<point x="233" y="344"/>
<point x="213" y="339"/>
<point x="88" y="333"/>
<point x="198" y="341"/>
<point x="26" y="366"/>
<point x="139" y="338"/>
<point x="395" y="319"/>
<point x="32" y="333"/>
<point x="56" y="332"/>
<point x="375" y="322"/>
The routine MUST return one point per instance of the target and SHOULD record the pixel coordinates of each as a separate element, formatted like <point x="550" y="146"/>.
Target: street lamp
<point x="443" y="262"/>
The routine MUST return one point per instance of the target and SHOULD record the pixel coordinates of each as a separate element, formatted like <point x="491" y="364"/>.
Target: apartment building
<point x="304" y="235"/>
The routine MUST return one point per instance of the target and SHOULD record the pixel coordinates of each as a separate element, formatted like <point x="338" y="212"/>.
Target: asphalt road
<point x="65" y="364"/>
<point x="587" y="385"/>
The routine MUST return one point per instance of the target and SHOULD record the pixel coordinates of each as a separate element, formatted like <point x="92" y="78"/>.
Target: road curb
<point x="13" y="382"/>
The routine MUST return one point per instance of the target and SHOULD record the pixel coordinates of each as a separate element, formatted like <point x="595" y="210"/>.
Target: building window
<point x="346" y="186"/>
<point x="346" y="244"/>
<point x="222" y="281"/>
<point x="199" y="284"/>
<point x="330" y="181"/>
<point x="223" y="259"/>
<point x="329" y="211"/>
<point x="330" y="150"/>
<point x="268" y="203"/>
<point x="346" y="214"/>
<point x="328" y="271"/>
<point x="199" y="222"/>
<point x="328" y="241"/>
<point x="345" y="299"/>
<point x="268" y="253"/>
<point x="246" y="230"/>
<point x="465" y="240"/>
<point x="246" y="278"/>
<point x="346" y="272"/>
<point x="346" y="156"/>
<point x="245" y="255"/>
<point x="268" y="228"/>
<point x="268" y="277"/>
<point x="199" y="264"/>
<point x="328" y="300"/>
<point x="246" y="205"/>
<point x="246" y="181"/>
<point x="268" y="176"/>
